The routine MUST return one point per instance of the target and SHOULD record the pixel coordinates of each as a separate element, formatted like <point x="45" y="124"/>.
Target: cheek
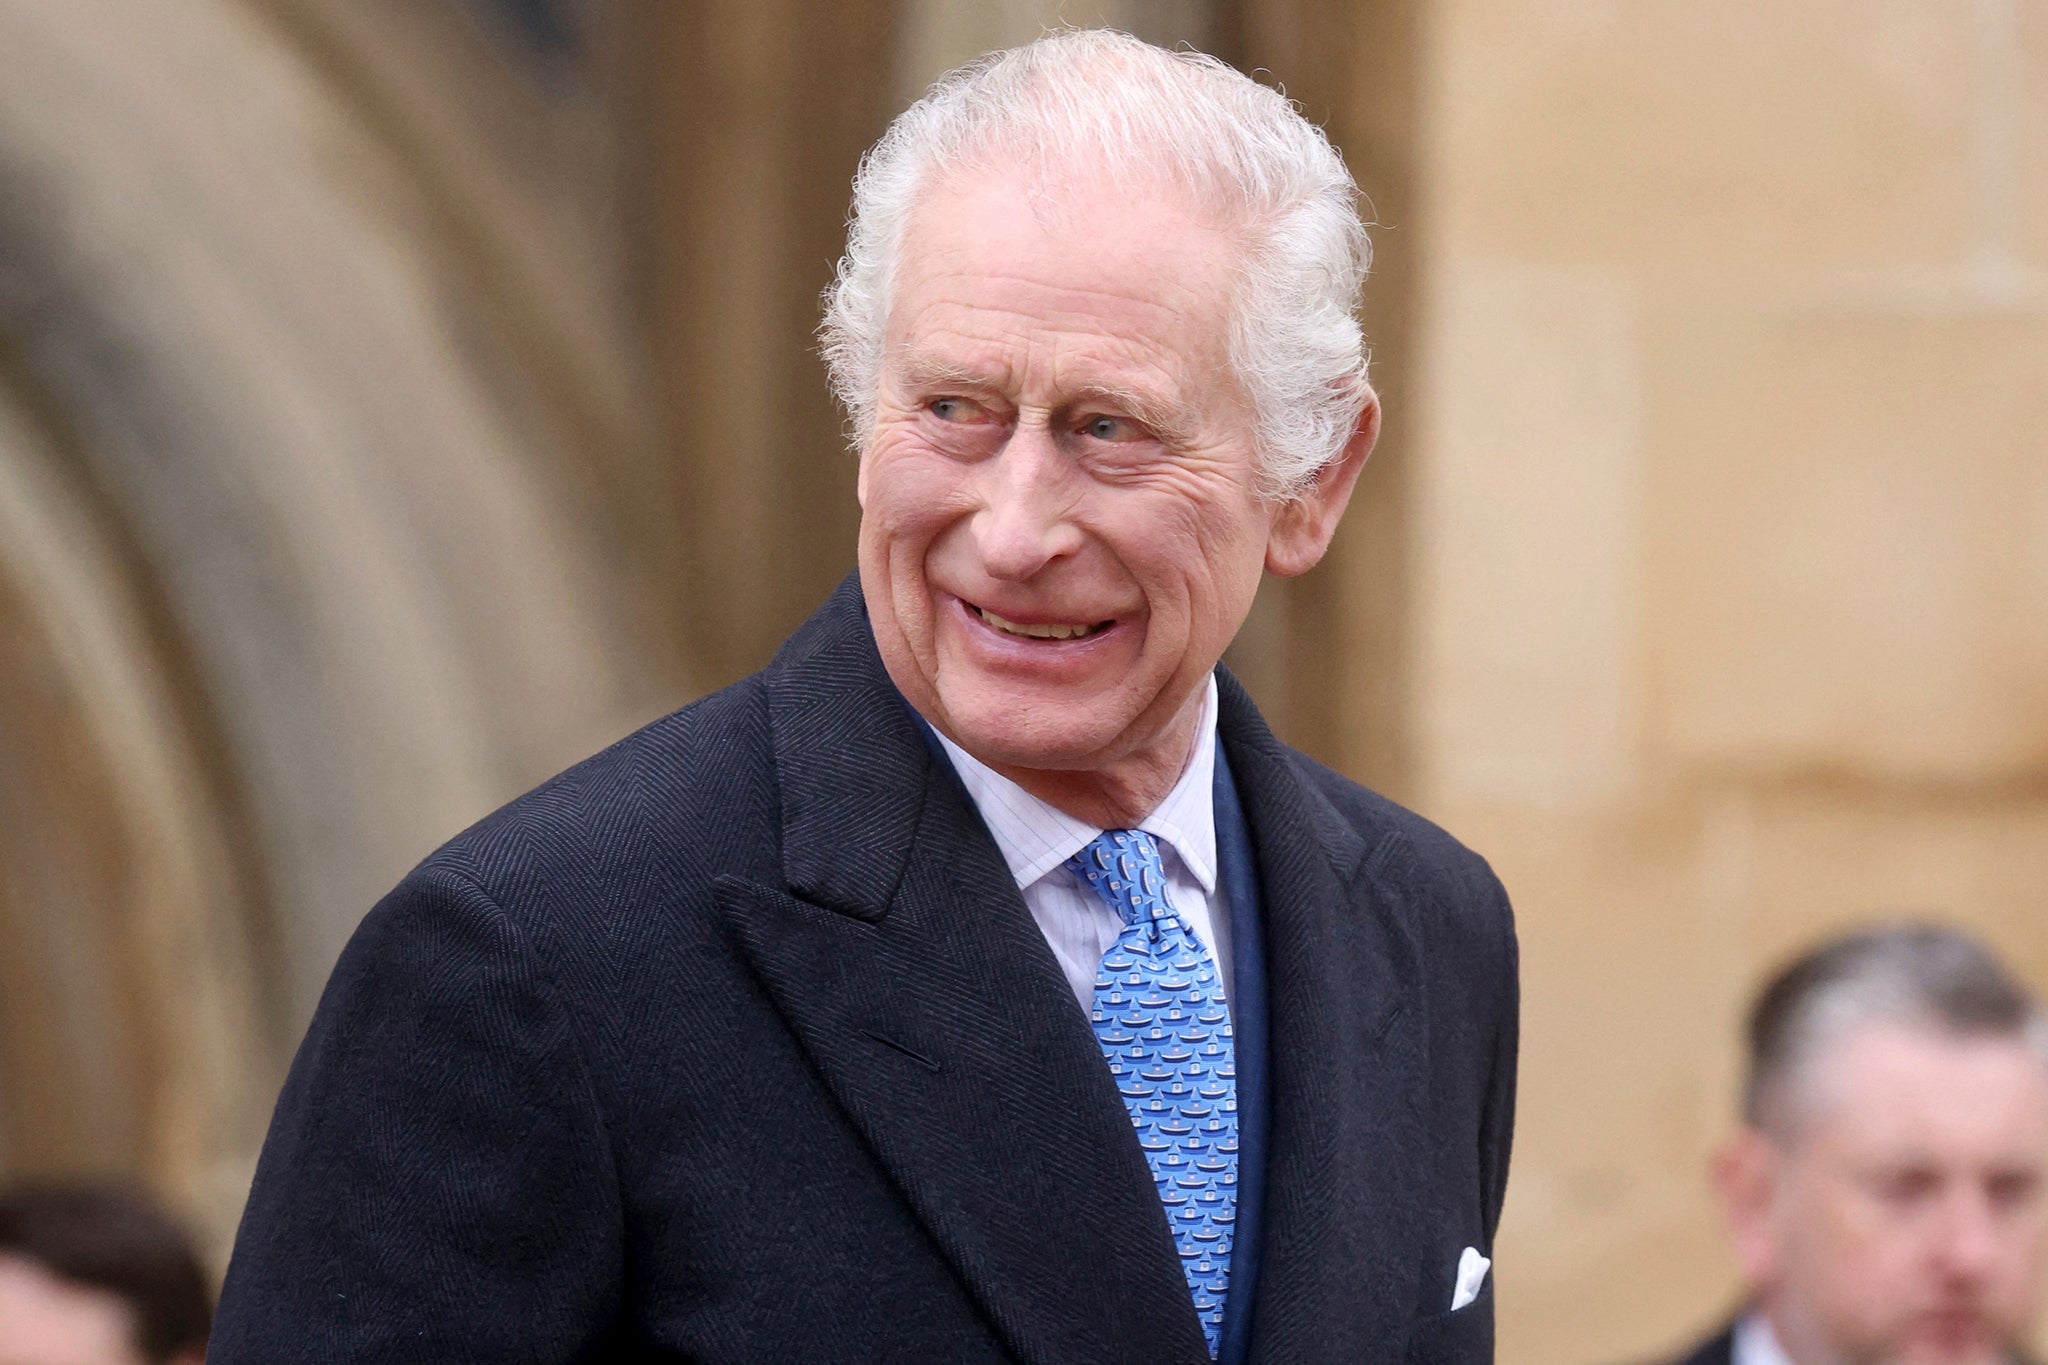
<point x="1876" y="1268"/>
<point x="2026" y="1257"/>
<point x="1233" y="559"/>
<point x="1863" y="1233"/>
<point x="1200" y="574"/>
<point x="1838" y="1245"/>
<point x="1212" y="536"/>
<point x="907" y="497"/>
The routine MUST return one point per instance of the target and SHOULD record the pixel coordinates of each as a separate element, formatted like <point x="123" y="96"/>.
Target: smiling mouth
<point x="1049" y="631"/>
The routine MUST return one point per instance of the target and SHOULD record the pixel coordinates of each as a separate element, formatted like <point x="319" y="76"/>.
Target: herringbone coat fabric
<point x="737" y="1043"/>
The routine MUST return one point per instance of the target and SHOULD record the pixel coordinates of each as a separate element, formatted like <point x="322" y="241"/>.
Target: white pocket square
<point x="1472" y="1268"/>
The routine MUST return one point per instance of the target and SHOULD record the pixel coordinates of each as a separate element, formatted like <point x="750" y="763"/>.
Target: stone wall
<point x="309" y="412"/>
<point x="1732" y="555"/>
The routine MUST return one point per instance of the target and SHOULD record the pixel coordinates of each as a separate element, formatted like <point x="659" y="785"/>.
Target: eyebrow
<point x="927" y="372"/>
<point x="1173" y="422"/>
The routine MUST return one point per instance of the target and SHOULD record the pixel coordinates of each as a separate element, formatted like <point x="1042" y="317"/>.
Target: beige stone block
<point x="1525" y="539"/>
<point x="1847" y="544"/>
<point x="1733" y="133"/>
<point x="2023" y="119"/>
<point x="1825" y="861"/>
<point x="1609" y="1248"/>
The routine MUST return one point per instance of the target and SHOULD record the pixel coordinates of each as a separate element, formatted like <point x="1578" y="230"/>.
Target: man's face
<point x="1902" y="1220"/>
<point x="48" y="1321"/>
<point x="1061" y="529"/>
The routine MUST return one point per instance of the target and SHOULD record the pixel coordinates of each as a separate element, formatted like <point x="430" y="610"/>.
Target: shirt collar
<point x="1036" y="838"/>
<point x="1756" y="1344"/>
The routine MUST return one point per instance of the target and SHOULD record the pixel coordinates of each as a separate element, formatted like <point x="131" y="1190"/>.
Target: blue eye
<point x="956" y="410"/>
<point x="1104" y="428"/>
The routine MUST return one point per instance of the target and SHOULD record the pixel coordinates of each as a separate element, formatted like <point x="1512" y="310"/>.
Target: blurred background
<point x="400" y="399"/>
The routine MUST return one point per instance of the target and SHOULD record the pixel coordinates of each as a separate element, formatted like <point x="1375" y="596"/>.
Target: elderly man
<point x="981" y="981"/>
<point x="1885" y="1193"/>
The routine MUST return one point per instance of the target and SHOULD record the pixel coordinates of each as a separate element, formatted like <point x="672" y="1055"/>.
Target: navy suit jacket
<point x="737" y="1043"/>
<point x="1719" y="1349"/>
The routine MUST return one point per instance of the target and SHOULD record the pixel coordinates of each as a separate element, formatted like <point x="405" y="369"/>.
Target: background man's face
<point x="1904" y="1217"/>
<point x="48" y="1321"/>
<point x="1060" y="524"/>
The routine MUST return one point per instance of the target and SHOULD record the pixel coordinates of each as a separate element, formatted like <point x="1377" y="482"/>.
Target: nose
<point x="1028" y="494"/>
<point x="1967" y="1240"/>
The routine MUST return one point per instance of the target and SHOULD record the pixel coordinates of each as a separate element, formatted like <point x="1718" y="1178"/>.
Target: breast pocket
<point x="1462" y="1337"/>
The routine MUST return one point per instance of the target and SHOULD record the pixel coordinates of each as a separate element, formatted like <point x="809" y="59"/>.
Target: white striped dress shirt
<point x="1036" y="839"/>
<point x="1756" y="1344"/>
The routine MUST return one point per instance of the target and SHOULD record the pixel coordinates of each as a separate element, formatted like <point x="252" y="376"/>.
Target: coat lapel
<point x="905" y="962"/>
<point x="1339" y="1278"/>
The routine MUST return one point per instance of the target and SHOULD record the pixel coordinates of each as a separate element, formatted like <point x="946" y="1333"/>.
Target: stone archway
<point x="133" y="1031"/>
<point x="299" y="571"/>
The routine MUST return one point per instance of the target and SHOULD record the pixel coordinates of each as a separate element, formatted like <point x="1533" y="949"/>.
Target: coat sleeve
<point x="437" y="1183"/>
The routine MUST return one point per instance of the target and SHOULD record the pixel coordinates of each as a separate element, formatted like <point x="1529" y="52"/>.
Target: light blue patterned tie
<point x="1160" y="1018"/>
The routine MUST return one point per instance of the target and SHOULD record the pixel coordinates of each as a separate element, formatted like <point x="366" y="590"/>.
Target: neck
<point x="1104" y="800"/>
<point x="1122" y="794"/>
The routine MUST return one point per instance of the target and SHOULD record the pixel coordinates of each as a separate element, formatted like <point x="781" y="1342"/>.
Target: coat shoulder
<point x="684" y="799"/>
<point x="1408" y="846"/>
<point x="692" y="790"/>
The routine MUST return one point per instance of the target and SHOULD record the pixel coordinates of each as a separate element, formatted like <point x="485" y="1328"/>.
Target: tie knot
<point x="1122" y="866"/>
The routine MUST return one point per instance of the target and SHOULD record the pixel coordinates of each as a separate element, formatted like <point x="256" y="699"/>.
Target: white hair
<point x="1295" y="342"/>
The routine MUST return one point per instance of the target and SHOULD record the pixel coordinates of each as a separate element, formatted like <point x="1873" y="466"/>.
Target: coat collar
<point x="848" y="760"/>
<point x="904" y="958"/>
<point x="1347" y="1071"/>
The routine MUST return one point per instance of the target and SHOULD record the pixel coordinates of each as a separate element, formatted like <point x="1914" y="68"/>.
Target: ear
<point x="1302" y="526"/>
<point x="1749" y="1177"/>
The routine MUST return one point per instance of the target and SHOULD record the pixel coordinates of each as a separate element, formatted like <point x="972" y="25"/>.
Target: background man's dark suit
<point x="1718" y="1349"/>
<point x="736" y="1042"/>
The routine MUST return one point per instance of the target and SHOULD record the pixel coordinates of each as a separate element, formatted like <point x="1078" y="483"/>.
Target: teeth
<point x="1035" y="632"/>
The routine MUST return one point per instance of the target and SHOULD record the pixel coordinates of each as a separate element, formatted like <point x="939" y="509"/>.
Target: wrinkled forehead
<point x="1132" y="276"/>
<point x="1122" y="225"/>
<point x="1889" y="1086"/>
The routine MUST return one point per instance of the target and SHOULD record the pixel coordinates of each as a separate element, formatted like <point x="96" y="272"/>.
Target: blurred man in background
<point x="1884" y="1196"/>
<point x="96" y="1275"/>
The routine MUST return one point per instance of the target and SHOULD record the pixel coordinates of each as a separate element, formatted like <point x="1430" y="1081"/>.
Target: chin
<point x="1949" y="1355"/>
<point x="1021" y="733"/>
<point x="1951" y="1343"/>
